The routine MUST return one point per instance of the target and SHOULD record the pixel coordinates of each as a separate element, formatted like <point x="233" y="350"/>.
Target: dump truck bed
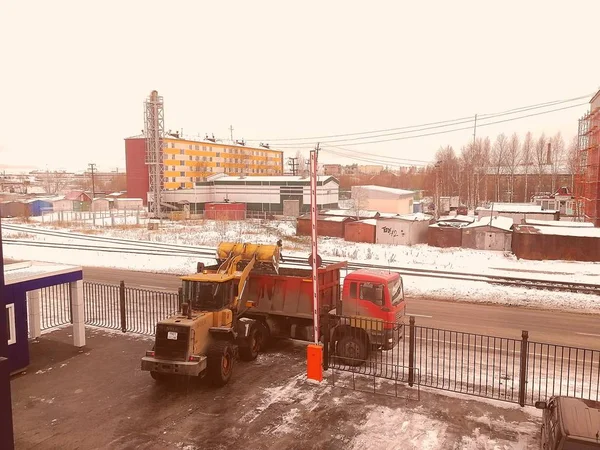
<point x="290" y="292"/>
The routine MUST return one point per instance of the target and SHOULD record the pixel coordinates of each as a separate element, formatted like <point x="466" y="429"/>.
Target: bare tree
<point x="513" y="156"/>
<point x="301" y="164"/>
<point x="55" y="182"/>
<point x="540" y="159"/>
<point x="468" y="157"/>
<point x="360" y="201"/>
<point x="484" y="151"/>
<point x="526" y="161"/>
<point x="557" y="158"/>
<point x="498" y="160"/>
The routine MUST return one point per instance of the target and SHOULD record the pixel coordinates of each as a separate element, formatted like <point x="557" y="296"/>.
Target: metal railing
<point x="508" y="369"/>
<point x="127" y="309"/>
<point x="55" y="306"/>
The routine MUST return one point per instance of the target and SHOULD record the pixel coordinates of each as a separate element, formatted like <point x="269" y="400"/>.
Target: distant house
<point x="383" y="199"/>
<point x="79" y="196"/>
<point x="129" y="204"/>
<point x="61" y="204"/>
<point x="100" y="204"/>
<point x="489" y="233"/>
<point x="37" y="206"/>
<point x="408" y="229"/>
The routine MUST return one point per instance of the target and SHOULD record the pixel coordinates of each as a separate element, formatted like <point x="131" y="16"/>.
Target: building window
<point x="204" y="158"/>
<point x="11" y="330"/>
<point x="182" y="174"/>
<point x="182" y="185"/>
<point x="172" y="145"/>
<point x="218" y="164"/>
<point x="218" y="155"/>
<point x="173" y="179"/>
<point x="210" y="159"/>
<point x="190" y="146"/>
<point x="181" y="151"/>
<point x="197" y="147"/>
<point x="197" y="158"/>
<point x="204" y="148"/>
<point x="190" y="157"/>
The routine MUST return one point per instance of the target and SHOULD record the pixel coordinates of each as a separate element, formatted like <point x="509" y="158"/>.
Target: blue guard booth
<point x="22" y="300"/>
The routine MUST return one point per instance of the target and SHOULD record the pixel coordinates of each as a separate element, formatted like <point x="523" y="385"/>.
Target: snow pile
<point x="401" y="429"/>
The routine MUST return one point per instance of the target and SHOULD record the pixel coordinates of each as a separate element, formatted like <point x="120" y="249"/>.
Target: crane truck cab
<point x="205" y="336"/>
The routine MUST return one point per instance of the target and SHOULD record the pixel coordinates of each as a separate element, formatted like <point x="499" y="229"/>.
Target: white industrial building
<point x="289" y="195"/>
<point x="383" y="199"/>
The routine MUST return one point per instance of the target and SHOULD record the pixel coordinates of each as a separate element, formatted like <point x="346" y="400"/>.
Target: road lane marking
<point x="588" y="334"/>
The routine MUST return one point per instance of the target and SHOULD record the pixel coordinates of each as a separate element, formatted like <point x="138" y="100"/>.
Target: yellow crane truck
<point x="235" y="306"/>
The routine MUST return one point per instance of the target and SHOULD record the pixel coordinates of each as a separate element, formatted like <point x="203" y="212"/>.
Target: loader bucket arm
<point x="266" y="257"/>
<point x="243" y="280"/>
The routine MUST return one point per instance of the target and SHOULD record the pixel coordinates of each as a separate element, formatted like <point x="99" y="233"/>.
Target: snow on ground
<point x="209" y="233"/>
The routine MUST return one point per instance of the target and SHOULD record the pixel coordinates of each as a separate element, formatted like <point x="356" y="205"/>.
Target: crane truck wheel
<point x="253" y="344"/>
<point x="352" y="350"/>
<point x="220" y="362"/>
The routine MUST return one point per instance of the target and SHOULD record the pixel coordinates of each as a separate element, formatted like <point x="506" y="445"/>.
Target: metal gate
<point x="501" y="368"/>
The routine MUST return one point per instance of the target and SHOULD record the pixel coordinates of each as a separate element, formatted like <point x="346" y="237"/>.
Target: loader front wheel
<point x="220" y="362"/>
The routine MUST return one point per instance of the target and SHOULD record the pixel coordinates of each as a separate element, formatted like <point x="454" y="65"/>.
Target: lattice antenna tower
<point x="154" y="132"/>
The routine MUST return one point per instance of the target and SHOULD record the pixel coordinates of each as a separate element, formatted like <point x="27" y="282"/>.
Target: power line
<point x="463" y="128"/>
<point x="444" y="123"/>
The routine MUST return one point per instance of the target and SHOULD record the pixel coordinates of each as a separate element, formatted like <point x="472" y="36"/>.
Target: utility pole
<point x="293" y="162"/>
<point x="92" y="166"/>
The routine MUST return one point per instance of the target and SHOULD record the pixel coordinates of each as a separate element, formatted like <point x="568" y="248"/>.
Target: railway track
<point x="120" y="245"/>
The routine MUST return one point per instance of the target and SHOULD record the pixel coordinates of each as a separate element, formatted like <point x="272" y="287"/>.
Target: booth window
<point x="10" y="324"/>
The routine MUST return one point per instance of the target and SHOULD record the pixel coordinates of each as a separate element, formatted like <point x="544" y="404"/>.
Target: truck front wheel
<point x="220" y="362"/>
<point x="352" y="350"/>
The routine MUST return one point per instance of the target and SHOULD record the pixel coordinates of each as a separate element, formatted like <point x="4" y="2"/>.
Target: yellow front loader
<point x="205" y="336"/>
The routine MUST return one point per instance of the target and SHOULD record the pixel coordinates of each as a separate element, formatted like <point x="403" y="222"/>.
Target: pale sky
<point x="75" y="73"/>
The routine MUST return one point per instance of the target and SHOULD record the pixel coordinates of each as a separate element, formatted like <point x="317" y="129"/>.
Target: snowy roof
<point x="415" y="217"/>
<point x="388" y="216"/>
<point x="457" y="218"/>
<point x="515" y="208"/>
<point x="129" y="199"/>
<point x="32" y="270"/>
<point x="559" y="223"/>
<point x="73" y="195"/>
<point x="327" y="218"/>
<point x="366" y="221"/>
<point x="502" y="223"/>
<point x="560" y="231"/>
<point x="389" y="190"/>
<point x="449" y="225"/>
<point x="349" y="213"/>
<point x="32" y="200"/>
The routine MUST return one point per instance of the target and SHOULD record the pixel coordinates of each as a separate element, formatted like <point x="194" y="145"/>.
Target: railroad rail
<point x="120" y="245"/>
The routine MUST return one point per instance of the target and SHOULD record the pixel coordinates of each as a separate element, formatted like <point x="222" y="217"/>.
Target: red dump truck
<point x="363" y="311"/>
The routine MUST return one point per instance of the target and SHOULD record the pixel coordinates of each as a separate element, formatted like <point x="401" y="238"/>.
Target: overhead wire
<point x="438" y="124"/>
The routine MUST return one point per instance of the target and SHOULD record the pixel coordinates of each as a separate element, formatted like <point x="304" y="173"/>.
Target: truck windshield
<point x="206" y="296"/>
<point x="396" y="290"/>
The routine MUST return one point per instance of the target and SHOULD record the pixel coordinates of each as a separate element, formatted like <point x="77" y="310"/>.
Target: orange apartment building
<point x="187" y="161"/>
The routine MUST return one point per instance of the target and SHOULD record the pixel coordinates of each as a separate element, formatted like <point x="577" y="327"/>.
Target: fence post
<point x="122" y="306"/>
<point x="325" y="334"/>
<point x="523" y="368"/>
<point x="180" y="298"/>
<point x="411" y="352"/>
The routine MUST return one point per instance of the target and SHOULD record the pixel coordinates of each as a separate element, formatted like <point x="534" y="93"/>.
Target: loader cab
<point x="209" y="292"/>
<point x="372" y="293"/>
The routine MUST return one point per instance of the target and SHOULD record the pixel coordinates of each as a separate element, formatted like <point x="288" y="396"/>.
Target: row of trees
<point x="539" y="164"/>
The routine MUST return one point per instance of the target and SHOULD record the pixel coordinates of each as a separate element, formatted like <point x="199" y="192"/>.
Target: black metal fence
<point x="55" y="306"/>
<point x="513" y="370"/>
<point x="123" y="308"/>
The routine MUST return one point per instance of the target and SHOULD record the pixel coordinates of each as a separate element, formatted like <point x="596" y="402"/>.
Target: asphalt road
<point x="559" y="327"/>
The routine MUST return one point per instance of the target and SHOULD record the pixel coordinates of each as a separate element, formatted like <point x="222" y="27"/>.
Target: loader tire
<point x="254" y="342"/>
<point x="159" y="377"/>
<point x="352" y="350"/>
<point x="220" y="360"/>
